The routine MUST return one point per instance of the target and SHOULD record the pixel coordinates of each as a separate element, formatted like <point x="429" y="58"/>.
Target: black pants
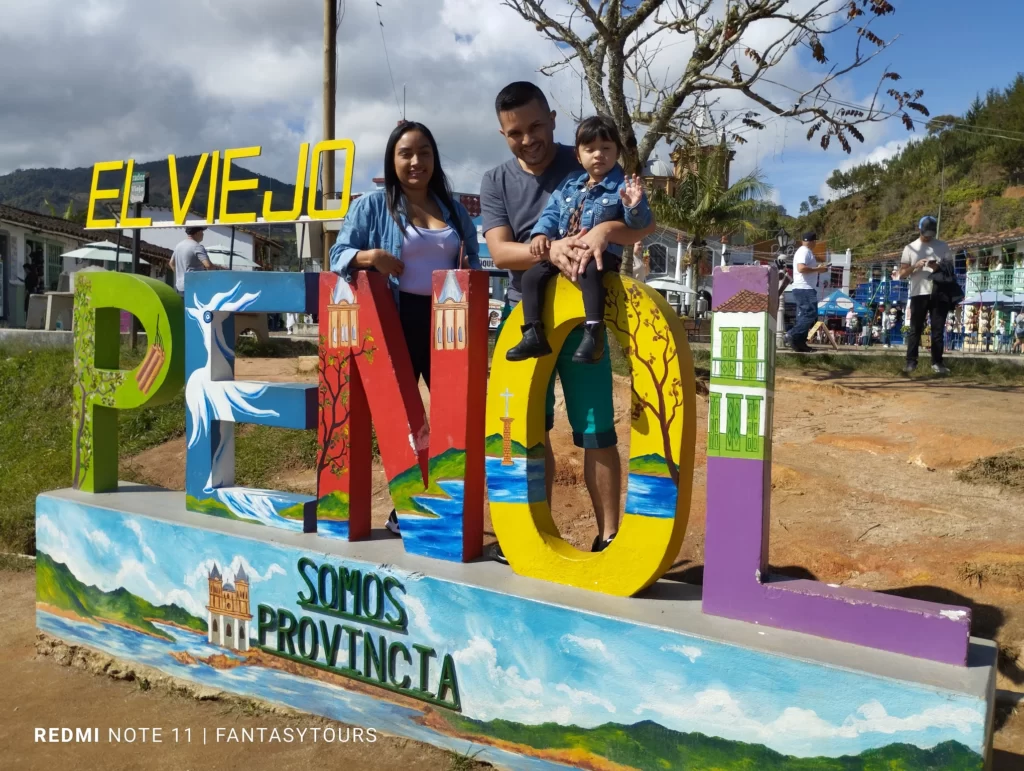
<point x="414" y="312"/>
<point x="536" y="279"/>
<point x="921" y="307"/>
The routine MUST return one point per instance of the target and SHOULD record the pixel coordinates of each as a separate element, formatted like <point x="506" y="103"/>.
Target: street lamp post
<point x="780" y="323"/>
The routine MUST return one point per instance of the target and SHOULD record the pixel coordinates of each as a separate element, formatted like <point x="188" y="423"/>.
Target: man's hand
<point x="539" y="245"/>
<point x="594" y="242"/>
<point x="386" y="263"/>
<point x="564" y="255"/>
<point x="631" y="192"/>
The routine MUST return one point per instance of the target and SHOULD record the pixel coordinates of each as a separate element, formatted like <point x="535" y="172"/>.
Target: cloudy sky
<point x="103" y="79"/>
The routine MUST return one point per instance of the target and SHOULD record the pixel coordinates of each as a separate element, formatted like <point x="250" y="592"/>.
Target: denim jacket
<point x="601" y="203"/>
<point x="368" y="225"/>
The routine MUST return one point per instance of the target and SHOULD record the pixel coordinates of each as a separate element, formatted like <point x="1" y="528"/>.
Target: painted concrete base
<point x="470" y="656"/>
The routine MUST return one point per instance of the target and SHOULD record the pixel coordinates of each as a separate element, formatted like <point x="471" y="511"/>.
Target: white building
<point x="228" y="617"/>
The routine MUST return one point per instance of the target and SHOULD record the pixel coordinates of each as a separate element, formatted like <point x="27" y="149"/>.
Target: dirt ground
<point x="864" y="494"/>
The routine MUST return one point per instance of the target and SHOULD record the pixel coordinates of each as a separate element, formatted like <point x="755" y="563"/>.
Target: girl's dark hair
<point x="438" y="183"/>
<point x="598" y="128"/>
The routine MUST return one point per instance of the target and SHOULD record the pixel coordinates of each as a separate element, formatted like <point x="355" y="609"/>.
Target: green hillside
<point x="652" y="747"/>
<point x="56" y="585"/>
<point x="494" y="444"/>
<point x="973" y="164"/>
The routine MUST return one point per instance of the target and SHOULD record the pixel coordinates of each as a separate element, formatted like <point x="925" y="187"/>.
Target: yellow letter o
<point x="661" y="443"/>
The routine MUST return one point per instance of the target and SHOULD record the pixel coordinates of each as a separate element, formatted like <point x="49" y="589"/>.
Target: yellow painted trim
<point x="228" y="186"/>
<point x="95" y="194"/>
<point x="211" y="200"/>
<point x="645" y="546"/>
<point x="346" y="181"/>
<point x="178" y="208"/>
<point x="300" y="186"/>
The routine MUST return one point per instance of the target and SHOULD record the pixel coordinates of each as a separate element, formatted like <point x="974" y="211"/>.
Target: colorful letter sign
<point x="100" y="387"/>
<point x="437" y="485"/>
<point x="216" y="401"/>
<point x="661" y="444"/>
<point x="736" y="580"/>
<point x="220" y="184"/>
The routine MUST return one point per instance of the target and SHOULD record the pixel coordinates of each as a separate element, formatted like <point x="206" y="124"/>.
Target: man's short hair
<point x="518" y="94"/>
<point x="191" y="231"/>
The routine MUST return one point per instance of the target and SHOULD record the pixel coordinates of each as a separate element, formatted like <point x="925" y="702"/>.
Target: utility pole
<point x="330" y="85"/>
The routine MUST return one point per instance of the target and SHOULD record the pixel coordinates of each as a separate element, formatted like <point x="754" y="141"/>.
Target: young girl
<point x="582" y="201"/>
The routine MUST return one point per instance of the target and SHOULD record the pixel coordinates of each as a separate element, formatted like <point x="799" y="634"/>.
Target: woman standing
<point x="407" y="231"/>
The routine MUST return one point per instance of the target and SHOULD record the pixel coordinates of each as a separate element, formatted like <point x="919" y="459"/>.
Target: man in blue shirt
<point x="512" y="197"/>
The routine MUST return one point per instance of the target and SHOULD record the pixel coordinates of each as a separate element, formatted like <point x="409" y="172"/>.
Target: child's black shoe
<point x="591" y="348"/>
<point x="533" y="345"/>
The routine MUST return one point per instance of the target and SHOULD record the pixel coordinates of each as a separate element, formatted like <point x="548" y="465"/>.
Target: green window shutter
<point x="715" y="422"/>
<point x="730" y="340"/>
<point x="750" y="353"/>
<point x="733" y="411"/>
<point x="753" y="422"/>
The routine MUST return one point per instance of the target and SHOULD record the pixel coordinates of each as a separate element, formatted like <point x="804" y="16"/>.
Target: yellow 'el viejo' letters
<point x="217" y="205"/>
<point x="661" y="444"/>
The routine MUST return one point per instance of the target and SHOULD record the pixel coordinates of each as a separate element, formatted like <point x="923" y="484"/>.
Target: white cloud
<point x="99" y="539"/>
<point x="52" y="540"/>
<point x="687" y="651"/>
<point x="136" y="528"/>
<point x="419" y="619"/>
<point x="589" y="644"/>
<point x="584" y="697"/>
<point x="201" y="572"/>
<point x="718" y="711"/>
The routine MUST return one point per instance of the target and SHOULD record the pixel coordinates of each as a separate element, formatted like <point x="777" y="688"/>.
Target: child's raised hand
<point x="539" y="246"/>
<point x="632" y="191"/>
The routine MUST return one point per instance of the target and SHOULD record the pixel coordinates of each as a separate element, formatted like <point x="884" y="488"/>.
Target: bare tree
<point x="618" y="42"/>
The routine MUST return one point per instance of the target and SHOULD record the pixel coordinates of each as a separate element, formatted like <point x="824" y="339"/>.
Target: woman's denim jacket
<point x="369" y="225"/>
<point x="601" y="203"/>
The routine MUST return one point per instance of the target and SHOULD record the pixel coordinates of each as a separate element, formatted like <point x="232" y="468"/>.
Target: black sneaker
<point x="601" y="545"/>
<point x="532" y="346"/>
<point x="498" y="555"/>
<point x="591" y="347"/>
<point x="910" y="367"/>
<point x="392" y="524"/>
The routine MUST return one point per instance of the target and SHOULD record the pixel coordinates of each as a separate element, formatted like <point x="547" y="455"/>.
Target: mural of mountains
<point x="494" y="443"/>
<point x="652" y="747"/>
<point x="651" y="465"/>
<point x="32" y="188"/>
<point x="57" y="586"/>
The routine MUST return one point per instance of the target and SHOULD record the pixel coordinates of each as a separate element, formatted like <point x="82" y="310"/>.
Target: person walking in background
<point x="806" y="277"/>
<point x="851" y="327"/>
<point x="888" y="319"/>
<point x="189" y="255"/>
<point x="921" y="259"/>
<point x="1018" y="333"/>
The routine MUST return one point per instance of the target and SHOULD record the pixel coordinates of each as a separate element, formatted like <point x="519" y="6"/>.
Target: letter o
<point x="663" y="416"/>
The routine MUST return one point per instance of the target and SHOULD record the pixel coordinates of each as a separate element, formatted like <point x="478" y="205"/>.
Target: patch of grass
<point x="35" y="433"/>
<point x="16" y="563"/>
<point x="1005" y="470"/>
<point x="275" y="348"/>
<point x="460" y="762"/>
<point x="261" y="452"/>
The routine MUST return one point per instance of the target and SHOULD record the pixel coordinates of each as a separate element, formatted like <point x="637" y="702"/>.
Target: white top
<point x="805" y="256"/>
<point x="920" y="281"/>
<point x="423" y="252"/>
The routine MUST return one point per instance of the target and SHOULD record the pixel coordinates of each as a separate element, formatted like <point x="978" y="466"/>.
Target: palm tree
<point x="702" y="205"/>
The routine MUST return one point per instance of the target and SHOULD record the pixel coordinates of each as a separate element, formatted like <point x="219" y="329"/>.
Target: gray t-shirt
<point x="515" y="198"/>
<point x="188" y="255"/>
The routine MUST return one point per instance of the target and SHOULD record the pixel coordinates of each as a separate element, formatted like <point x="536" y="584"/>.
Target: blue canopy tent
<point x="839" y="303"/>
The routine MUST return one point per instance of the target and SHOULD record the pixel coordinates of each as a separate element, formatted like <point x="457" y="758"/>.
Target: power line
<point x="387" y="59"/>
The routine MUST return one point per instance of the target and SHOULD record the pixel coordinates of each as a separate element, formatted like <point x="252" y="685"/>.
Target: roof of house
<point x="451" y="289"/>
<point x="971" y="241"/>
<point x="744" y="302"/>
<point x="214" y="572"/>
<point x="45" y="223"/>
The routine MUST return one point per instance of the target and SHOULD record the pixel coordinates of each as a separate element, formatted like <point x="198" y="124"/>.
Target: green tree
<point x="702" y="204"/>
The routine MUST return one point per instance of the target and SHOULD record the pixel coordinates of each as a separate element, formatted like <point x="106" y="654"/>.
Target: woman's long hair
<point x="438" y="183"/>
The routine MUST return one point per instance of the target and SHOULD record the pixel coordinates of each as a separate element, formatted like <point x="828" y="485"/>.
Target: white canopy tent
<point x="103" y="251"/>
<point x="221" y="257"/>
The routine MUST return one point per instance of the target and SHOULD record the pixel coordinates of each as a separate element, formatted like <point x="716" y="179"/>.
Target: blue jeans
<point x="806" y="315"/>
